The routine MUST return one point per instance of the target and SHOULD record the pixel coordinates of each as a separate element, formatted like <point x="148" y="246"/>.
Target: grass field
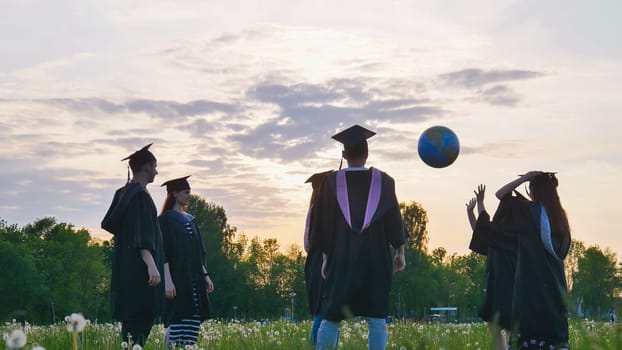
<point x="287" y="335"/>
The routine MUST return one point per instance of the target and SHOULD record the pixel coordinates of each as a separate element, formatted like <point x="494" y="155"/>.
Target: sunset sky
<point x="244" y="95"/>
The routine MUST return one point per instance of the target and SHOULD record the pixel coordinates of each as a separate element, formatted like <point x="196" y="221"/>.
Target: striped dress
<point x="186" y="331"/>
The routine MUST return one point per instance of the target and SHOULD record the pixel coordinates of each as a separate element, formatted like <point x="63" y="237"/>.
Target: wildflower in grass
<point x="137" y="347"/>
<point x="37" y="347"/>
<point x="16" y="340"/>
<point x="75" y="323"/>
<point x="124" y="345"/>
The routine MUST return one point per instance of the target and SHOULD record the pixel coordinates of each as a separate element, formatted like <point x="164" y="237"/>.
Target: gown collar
<point x="373" y="197"/>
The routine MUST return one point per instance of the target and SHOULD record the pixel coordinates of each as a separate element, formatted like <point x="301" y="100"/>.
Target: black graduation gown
<point x="185" y="255"/>
<point x="360" y="264"/>
<point x="500" y="270"/>
<point x="132" y="219"/>
<point x="539" y="309"/>
<point x="313" y="273"/>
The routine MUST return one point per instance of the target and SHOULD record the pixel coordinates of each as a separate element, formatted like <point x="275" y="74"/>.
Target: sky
<point x="245" y="96"/>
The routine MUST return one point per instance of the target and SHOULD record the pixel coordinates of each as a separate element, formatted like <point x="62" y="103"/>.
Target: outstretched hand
<point x="480" y="193"/>
<point x="471" y="204"/>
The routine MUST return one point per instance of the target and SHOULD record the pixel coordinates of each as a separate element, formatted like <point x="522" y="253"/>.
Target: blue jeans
<point x="317" y="319"/>
<point x="328" y="334"/>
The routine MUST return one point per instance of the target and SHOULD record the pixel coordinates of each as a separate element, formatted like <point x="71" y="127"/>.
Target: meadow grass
<point x="286" y="335"/>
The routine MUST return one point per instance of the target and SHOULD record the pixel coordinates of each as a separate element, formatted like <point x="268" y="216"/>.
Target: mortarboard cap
<point x="175" y="185"/>
<point x="353" y="136"/>
<point x="317" y="179"/>
<point x="140" y="157"/>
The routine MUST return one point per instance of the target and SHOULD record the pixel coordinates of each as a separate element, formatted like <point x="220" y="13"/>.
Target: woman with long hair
<point x="536" y="230"/>
<point x="186" y="280"/>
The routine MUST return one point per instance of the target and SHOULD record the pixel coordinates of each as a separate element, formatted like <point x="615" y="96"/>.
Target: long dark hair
<point x="169" y="202"/>
<point x="543" y="189"/>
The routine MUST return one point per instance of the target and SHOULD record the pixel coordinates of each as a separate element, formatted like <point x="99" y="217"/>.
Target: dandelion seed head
<point x="137" y="347"/>
<point x="16" y="339"/>
<point x="75" y="322"/>
<point x="124" y="345"/>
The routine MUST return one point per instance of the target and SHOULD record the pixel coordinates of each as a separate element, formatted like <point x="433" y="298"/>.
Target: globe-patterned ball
<point x="438" y="146"/>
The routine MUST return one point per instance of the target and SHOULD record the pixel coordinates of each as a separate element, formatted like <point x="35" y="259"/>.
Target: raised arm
<point x="479" y="196"/>
<point x="470" y="205"/>
<point x="479" y="200"/>
<point x="510" y="186"/>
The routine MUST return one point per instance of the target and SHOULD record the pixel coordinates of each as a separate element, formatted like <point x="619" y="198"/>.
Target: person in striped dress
<point x="186" y="281"/>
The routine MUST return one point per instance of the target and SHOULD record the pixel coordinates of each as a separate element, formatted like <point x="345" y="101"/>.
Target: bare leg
<point x="498" y="338"/>
<point x="167" y="345"/>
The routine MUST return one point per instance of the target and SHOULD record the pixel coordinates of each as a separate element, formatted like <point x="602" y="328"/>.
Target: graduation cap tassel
<point x="340" y="163"/>
<point x="128" y="174"/>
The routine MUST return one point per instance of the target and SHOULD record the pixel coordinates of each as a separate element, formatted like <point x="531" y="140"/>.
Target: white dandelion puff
<point x="16" y="340"/>
<point x="137" y="347"/>
<point x="76" y="322"/>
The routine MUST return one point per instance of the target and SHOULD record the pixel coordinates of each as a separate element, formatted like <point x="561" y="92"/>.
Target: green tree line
<point x="51" y="269"/>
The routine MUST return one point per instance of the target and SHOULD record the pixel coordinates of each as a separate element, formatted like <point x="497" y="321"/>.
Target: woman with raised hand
<point x="536" y="230"/>
<point x="496" y="309"/>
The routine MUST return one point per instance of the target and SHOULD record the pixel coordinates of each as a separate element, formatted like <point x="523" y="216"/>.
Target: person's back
<point x="537" y="232"/>
<point x="356" y="221"/>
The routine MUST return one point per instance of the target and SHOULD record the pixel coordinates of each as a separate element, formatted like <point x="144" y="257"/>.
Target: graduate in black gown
<point x="313" y="264"/>
<point x="186" y="280"/>
<point x="537" y="232"/>
<point x="356" y="221"/>
<point x="496" y="309"/>
<point x="138" y="260"/>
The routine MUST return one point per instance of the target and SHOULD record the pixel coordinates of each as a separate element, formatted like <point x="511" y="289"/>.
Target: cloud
<point x="154" y="108"/>
<point x="474" y="77"/>
<point x="499" y="95"/>
<point x="130" y="143"/>
<point x="308" y="114"/>
<point x="216" y="166"/>
<point x="62" y="193"/>
<point x="295" y="95"/>
<point x="511" y="149"/>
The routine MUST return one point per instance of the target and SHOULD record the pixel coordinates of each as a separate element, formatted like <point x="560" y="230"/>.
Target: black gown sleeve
<point x="140" y="218"/>
<point x="201" y="244"/>
<point x="509" y="221"/>
<point x="393" y="222"/>
<point x="481" y="234"/>
<point x="324" y="209"/>
<point x="167" y="240"/>
<point x="111" y="221"/>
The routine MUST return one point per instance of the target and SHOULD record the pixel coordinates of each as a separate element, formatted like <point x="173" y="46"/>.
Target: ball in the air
<point x="438" y="146"/>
